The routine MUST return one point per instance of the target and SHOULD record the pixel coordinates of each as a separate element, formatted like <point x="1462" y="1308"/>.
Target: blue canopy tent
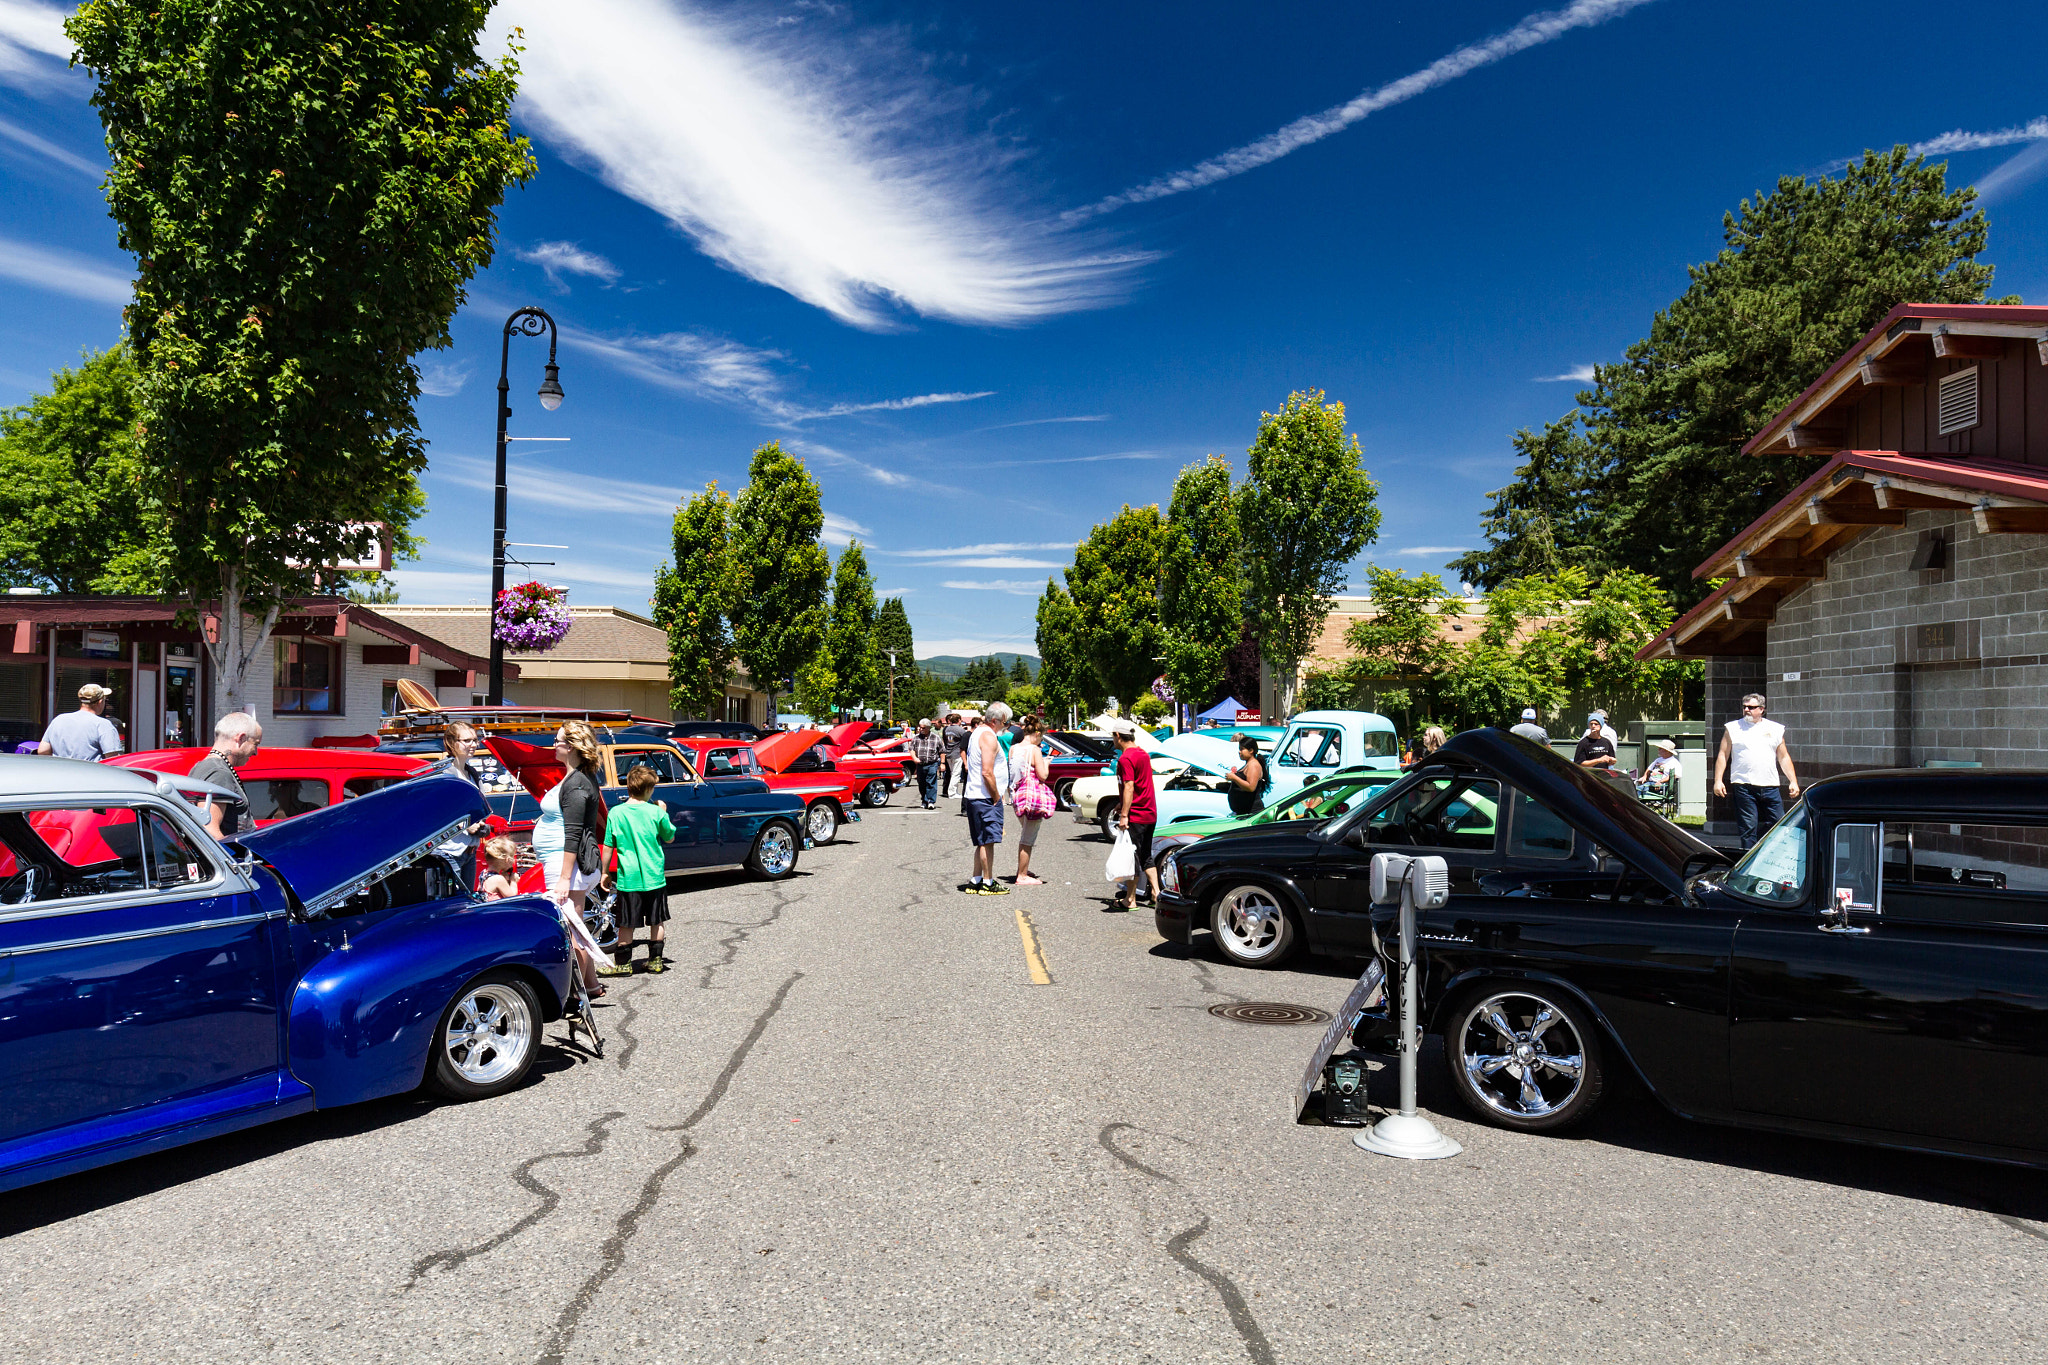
<point x="1222" y="713"/>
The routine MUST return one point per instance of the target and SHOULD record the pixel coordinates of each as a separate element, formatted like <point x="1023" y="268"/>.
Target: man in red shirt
<point x="1138" y="811"/>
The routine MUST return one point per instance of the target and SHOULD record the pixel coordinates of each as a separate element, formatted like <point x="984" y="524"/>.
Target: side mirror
<point x="1858" y="881"/>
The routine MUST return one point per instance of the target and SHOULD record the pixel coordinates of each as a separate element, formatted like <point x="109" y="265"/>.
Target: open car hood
<point x="537" y="768"/>
<point x="1204" y="751"/>
<point x="777" y="752"/>
<point x="1596" y="807"/>
<point x="840" y="738"/>
<point x="326" y="855"/>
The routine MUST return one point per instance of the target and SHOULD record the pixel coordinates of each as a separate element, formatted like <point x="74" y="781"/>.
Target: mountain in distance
<point x="951" y="666"/>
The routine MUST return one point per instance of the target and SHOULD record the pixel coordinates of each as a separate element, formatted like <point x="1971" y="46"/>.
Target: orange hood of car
<point x="777" y="752"/>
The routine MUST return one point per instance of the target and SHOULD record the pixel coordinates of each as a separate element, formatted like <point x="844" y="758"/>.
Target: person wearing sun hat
<point x="1662" y="769"/>
<point x="86" y="733"/>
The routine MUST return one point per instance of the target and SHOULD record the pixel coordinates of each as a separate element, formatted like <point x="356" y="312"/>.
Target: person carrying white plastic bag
<point x="1123" y="859"/>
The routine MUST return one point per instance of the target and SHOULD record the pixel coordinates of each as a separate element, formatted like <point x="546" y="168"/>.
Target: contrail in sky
<point x="1533" y="31"/>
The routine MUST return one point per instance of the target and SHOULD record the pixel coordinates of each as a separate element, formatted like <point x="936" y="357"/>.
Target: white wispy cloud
<point x="33" y="49"/>
<point x="1015" y="587"/>
<point x="995" y="548"/>
<point x="530" y="481"/>
<point x="63" y="272"/>
<point x="1002" y="562"/>
<point x="1535" y="30"/>
<point x="1072" y="459"/>
<point x="2013" y="174"/>
<point x="440" y="380"/>
<point x="2035" y="130"/>
<point x="50" y="151"/>
<point x="716" y="367"/>
<point x="1045" y="421"/>
<point x="1427" y="551"/>
<point x="923" y="400"/>
<point x="824" y="454"/>
<point x="812" y="165"/>
<point x="1577" y="374"/>
<point x="839" y="530"/>
<point x="566" y="258"/>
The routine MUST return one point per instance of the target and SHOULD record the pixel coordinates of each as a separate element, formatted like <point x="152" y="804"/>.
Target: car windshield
<point x="1775" y="869"/>
<point x="1379" y="744"/>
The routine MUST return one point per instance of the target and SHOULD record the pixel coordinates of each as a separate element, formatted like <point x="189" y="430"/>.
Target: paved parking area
<point x="851" y="1125"/>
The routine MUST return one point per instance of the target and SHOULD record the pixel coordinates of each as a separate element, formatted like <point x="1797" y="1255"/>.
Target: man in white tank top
<point x="1754" y="748"/>
<point x="988" y="779"/>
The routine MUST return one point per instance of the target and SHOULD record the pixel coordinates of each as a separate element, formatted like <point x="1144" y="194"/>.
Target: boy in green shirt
<point x="636" y="830"/>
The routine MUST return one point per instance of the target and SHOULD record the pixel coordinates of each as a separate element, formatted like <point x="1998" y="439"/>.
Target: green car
<point x="1332" y="795"/>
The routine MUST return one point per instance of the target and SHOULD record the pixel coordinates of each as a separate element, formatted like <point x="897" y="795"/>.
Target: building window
<point x="308" y="681"/>
<point x="1955" y="402"/>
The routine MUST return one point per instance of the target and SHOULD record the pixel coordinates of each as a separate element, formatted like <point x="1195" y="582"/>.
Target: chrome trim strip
<point x="98" y="939"/>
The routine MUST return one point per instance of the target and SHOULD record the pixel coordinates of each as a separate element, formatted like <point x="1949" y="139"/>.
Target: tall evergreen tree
<point x="1114" y="583"/>
<point x="307" y="188"/>
<point x="1020" y="672"/>
<point x="1201" y="581"/>
<point x="1307" y="509"/>
<point x="850" y="634"/>
<point x="694" y="603"/>
<point x="1807" y="269"/>
<point x="892" y="633"/>
<point x="779" y="625"/>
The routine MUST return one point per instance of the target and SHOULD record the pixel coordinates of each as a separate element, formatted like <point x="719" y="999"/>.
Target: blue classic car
<point x="157" y="987"/>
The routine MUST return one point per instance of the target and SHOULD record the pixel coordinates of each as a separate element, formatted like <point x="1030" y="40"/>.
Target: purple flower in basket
<point x="531" y="616"/>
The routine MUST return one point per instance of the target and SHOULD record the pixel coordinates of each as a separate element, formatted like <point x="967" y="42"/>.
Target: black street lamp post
<point x="526" y="322"/>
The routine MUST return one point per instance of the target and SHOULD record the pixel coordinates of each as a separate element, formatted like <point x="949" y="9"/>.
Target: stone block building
<point x="1894" y="606"/>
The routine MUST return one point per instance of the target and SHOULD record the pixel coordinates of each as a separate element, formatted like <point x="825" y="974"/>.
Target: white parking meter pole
<point x="1424" y="883"/>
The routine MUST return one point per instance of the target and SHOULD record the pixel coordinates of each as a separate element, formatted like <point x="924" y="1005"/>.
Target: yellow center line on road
<point x="1034" y="958"/>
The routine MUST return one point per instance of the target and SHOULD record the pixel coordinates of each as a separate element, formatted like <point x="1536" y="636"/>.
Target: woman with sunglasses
<point x="571" y="807"/>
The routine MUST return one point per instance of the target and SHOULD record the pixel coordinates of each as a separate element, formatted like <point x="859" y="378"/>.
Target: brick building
<point x="1894" y="606"/>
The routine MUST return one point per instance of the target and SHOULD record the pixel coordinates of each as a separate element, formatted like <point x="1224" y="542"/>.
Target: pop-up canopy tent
<point x="1223" y="711"/>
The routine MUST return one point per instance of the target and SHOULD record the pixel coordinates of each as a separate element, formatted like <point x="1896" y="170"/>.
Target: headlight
<point x="1169" y="875"/>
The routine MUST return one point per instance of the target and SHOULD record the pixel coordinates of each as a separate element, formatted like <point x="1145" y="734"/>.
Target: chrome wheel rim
<point x="822" y="822"/>
<point x="778" y="850"/>
<point x="1521" y="1055"/>
<point x="490" y="1032"/>
<point x="1063" y="793"/>
<point x="876" y="793"/>
<point x="1253" y="920"/>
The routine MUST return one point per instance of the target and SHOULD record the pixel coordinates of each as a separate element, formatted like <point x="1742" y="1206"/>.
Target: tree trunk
<point x="240" y="638"/>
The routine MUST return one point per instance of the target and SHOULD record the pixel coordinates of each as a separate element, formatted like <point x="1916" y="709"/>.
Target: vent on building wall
<point x="1955" y="402"/>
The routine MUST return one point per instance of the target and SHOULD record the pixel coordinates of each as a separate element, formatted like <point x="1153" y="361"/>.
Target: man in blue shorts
<point x="988" y="777"/>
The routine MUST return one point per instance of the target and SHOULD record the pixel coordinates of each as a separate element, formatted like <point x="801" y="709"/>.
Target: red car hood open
<point x="840" y="738"/>
<point x="536" y="768"/>
<point x="777" y="752"/>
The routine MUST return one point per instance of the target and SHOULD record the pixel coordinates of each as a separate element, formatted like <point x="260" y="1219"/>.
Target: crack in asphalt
<point x="742" y="932"/>
<point x="1255" y="1343"/>
<point x="612" y="1255"/>
<point x="631" y="1012"/>
<point x="1207" y="981"/>
<point x="599" y="1130"/>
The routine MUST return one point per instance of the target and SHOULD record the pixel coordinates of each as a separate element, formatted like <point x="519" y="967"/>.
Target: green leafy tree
<point x="1201" y="581"/>
<point x="850" y="633"/>
<point x="307" y="188"/>
<point x="816" y="687"/>
<point x="781" y="568"/>
<point x="694" y="603"/>
<point x="1807" y="269"/>
<point x="1148" y="708"/>
<point x="1307" y="508"/>
<point x="1399" y="651"/>
<point x="1114" y="583"/>
<point x="1026" y="699"/>
<point x="1020" y="672"/>
<point x="1063" y="673"/>
<point x="71" y="511"/>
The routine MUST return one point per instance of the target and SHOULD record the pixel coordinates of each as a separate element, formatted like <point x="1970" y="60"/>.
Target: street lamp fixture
<point x="530" y="322"/>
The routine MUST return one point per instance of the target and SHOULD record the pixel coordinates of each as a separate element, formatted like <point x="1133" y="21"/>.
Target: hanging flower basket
<point x="532" y="617"/>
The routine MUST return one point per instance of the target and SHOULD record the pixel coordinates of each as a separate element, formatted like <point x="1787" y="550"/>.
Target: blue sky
<point x="996" y="270"/>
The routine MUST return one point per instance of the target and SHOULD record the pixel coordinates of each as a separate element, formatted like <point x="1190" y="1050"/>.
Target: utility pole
<point x="892" y="688"/>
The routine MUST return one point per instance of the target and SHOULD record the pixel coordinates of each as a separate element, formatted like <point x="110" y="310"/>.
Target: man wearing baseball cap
<point x="1529" y="729"/>
<point x="85" y="733"/>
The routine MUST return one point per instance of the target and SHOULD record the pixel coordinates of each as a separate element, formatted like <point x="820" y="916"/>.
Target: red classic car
<point x="812" y="752"/>
<point x="285" y="782"/>
<point x="829" y="795"/>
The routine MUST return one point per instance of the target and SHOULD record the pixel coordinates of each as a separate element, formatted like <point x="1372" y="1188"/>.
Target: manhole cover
<point x="1271" y="1014"/>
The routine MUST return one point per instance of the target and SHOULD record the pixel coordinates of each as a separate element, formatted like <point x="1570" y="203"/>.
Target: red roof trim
<point x="2029" y="482"/>
<point x="1704" y="605"/>
<point x="1934" y="312"/>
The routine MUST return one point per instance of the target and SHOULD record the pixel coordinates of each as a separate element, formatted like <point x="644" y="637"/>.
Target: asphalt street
<point x="861" y="1120"/>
